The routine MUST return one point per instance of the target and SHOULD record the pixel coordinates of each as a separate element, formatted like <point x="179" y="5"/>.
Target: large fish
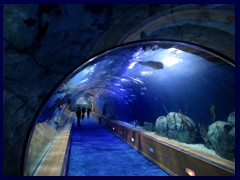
<point x="213" y="112"/>
<point x="152" y="64"/>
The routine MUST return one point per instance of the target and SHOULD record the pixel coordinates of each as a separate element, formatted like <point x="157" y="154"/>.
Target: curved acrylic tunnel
<point x="140" y="82"/>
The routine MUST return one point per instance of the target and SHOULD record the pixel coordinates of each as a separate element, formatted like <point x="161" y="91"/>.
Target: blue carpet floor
<point x="95" y="151"/>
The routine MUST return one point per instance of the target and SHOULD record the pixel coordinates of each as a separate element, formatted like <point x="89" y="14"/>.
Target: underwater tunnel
<point x="174" y="102"/>
<point x="154" y="107"/>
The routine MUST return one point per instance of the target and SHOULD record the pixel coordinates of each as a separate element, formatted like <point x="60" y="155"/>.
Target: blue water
<point x="95" y="151"/>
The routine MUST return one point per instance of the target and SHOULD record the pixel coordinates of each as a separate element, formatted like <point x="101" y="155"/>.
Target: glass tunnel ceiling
<point x="142" y="81"/>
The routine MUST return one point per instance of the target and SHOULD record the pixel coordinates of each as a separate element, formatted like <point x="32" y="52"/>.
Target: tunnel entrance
<point x="175" y="90"/>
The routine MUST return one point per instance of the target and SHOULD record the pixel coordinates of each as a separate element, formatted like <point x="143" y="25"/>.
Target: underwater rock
<point x="222" y="137"/>
<point x="161" y="126"/>
<point x="176" y="126"/>
<point x="203" y="130"/>
<point x="231" y="119"/>
<point x="148" y="126"/>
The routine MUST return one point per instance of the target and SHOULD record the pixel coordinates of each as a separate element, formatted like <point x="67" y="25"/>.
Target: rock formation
<point x="222" y="137"/>
<point x="176" y="126"/>
<point x="148" y="126"/>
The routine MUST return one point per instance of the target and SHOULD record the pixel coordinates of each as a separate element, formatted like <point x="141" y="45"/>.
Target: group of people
<point x="80" y="113"/>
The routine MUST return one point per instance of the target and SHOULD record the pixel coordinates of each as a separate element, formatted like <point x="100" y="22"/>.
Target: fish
<point x="213" y="112"/>
<point x="152" y="64"/>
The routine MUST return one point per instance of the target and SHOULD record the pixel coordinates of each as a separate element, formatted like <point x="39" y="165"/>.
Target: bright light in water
<point x="132" y="65"/>
<point x="137" y="80"/>
<point x="113" y="128"/>
<point x="137" y="53"/>
<point x="84" y="80"/>
<point x="144" y="73"/>
<point x="123" y="80"/>
<point x="170" y="61"/>
<point x="132" y="139"/>
<point x="92" y="68"/>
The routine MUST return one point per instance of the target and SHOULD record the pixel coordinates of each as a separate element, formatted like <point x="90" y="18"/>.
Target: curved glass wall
<point x="175" y="90"/>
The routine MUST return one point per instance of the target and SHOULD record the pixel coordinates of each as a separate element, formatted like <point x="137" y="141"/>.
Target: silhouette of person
<point x="83" y="112"/>
<point x="78" y="113"/>
<point x="88" y="111"/>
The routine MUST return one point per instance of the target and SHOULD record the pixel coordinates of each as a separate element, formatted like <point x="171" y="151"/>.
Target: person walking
<point x="83" y="112"/>
<point x="88" y="111"/>
<point x="78" y="114"/>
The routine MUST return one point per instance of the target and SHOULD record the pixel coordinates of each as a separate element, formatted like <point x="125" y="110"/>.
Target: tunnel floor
<point x="95" y="151"/>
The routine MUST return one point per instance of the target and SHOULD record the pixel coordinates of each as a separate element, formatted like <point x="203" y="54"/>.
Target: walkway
<point x="95" y="151"/>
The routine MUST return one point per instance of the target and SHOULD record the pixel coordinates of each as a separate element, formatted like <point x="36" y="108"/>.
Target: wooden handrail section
<point x="172" y="156"/>
<point x="54" y="162"/>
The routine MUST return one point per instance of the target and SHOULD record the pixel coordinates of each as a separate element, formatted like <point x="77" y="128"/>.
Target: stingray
<point x="152" y="64"/>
